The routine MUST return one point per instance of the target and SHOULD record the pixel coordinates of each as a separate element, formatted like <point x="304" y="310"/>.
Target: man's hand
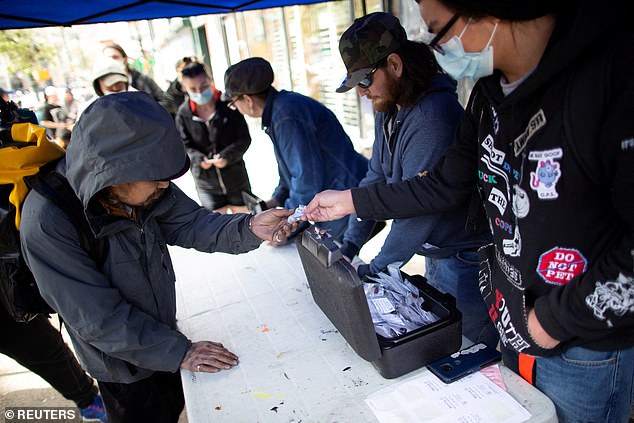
<point x="218" y="161"/>
<point x="206" y="163"/>
<point x="210" y="357"/>
<point x="537" y="332"/>
<point x="272" y="225"/>
<point x="330" y="205"/>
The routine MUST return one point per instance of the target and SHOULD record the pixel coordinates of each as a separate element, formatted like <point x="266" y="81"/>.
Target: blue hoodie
<point x="419" y="136"/>
<point x="313" y="151"/>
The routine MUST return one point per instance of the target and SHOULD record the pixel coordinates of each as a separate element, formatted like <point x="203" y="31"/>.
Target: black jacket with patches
<point x="226" y="134"/>
<point x="553" y="162"/>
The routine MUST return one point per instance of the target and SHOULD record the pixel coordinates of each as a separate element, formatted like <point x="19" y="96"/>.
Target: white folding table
<point x="294" y="365"/>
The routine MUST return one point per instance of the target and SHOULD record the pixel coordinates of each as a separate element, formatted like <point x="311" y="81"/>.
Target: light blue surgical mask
<point x="201" y="98"/>
<point x="460" y="64"/>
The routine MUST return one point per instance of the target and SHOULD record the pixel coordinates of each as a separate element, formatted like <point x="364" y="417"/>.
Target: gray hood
<point x="120" y="138"/>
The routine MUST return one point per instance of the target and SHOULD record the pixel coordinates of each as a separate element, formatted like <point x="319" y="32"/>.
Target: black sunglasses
<point x="367" y="81"/>
<point x="434" y="44"/>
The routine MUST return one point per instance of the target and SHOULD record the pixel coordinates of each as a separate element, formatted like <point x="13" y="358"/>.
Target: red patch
<point x="559" y="265"/>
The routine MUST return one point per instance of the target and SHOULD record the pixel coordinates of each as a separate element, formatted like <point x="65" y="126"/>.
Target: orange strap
<point x="526" y="364"/>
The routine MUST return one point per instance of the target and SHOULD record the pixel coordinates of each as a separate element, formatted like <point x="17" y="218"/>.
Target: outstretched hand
<point x="207" y="356"/>
<point x="330" y="205"/>
<point x="272" y="225"/>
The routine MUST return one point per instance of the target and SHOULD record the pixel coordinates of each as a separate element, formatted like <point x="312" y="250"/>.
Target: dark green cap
<point x="369" y="39"/>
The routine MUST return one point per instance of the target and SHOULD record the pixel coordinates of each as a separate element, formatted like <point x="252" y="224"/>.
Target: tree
<point x="22" y="51"/>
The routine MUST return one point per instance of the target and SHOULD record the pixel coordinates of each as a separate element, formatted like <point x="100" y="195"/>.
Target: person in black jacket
<point x="138" y="80"/>
<point x="216" y="138"/>
<point x="548" y="140"/>
<point x="175" y="93"/>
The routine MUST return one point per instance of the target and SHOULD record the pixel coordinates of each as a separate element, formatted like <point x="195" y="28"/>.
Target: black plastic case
<point x="338" y="291"/>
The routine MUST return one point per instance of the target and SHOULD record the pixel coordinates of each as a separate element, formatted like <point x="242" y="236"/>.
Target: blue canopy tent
<point x="16" y="14"/>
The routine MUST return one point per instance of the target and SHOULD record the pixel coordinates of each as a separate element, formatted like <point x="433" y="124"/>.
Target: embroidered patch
<point x="484" y="278"/>
<point x="544" y="179"/>
<point x="505" y="226"/>
<point x="513" y="247"/>
<point x="559" y="265"/>
<point x="511" y="272"/>
<point x="616" y="296"/>
<point x="521" y="204"/>
<point x="535" y="123"/>
<point x="507" y="167"/>
<point x="500" y="314"/>
<point x="496" y="197"/>
<point x="497" y="156"/>
<point x="493" y="169"/>
<point x="489" y="179"/>
<point x="496" y="121"/>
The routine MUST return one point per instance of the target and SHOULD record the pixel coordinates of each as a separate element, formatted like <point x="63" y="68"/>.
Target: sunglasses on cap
<point x="367" y="81"/>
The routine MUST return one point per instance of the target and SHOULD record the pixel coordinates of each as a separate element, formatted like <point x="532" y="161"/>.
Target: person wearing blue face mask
<point x="216" y="138"/>
<point x="458" y="63"/>
<point x="548" y="140"/>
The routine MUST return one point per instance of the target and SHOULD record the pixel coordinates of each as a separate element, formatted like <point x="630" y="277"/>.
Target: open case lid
<point x="338" y="291"/>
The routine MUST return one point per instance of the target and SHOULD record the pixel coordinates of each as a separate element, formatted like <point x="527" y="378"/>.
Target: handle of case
<point x="323" y="247"/>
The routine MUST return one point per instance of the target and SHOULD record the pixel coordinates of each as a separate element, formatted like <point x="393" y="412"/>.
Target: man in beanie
<point x="120" y="314"/>
<point x="313" y="151"/>
<point x="548" y="140"/>
<point x="417" y="114"/>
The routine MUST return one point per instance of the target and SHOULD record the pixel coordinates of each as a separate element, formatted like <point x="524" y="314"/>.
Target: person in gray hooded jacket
<point x="121" y="315"/>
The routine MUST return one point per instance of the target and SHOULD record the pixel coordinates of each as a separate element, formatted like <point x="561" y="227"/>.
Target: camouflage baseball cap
<point x="369" y="39"/>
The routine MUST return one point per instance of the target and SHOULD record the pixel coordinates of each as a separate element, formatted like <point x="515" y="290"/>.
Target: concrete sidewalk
<point x="21" y="387"/>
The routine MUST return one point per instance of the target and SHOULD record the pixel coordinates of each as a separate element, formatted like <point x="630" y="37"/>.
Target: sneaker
<point x="95" y="412"/>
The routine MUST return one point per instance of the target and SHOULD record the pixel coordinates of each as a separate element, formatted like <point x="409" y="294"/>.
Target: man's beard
<point x="389" y="101"/>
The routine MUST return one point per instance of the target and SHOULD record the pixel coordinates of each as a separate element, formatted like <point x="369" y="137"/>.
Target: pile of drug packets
<point x="395" y="304"/>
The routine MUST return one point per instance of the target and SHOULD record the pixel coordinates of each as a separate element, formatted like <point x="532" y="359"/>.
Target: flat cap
<point x="250" y="76"/>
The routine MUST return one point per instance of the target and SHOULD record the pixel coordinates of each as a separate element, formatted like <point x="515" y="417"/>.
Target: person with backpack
<point x="121" y="313"/>
<point x="31" y="340"/>
<point x="548" y="139"/>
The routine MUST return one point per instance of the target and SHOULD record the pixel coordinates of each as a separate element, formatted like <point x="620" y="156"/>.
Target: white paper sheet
<point x="425" y="398"/>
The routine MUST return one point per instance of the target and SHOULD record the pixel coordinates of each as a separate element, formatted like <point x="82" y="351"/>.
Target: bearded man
<point x="417" y="112"/>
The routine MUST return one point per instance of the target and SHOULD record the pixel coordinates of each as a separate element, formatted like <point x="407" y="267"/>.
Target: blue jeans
<point x="587" y="385"/>
<point x="458" y="276"/>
